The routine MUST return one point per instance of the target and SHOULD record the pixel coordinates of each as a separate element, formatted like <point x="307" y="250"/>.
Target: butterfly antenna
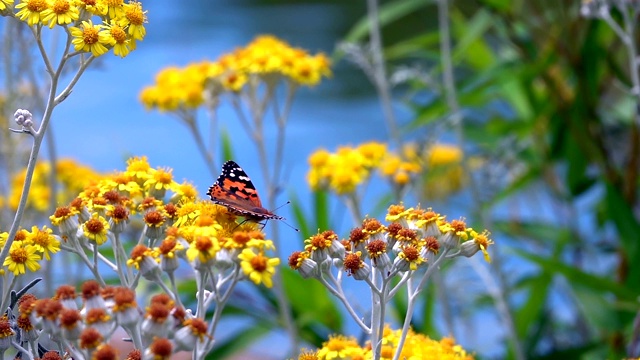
<point x="283" y="205"/>
<point x="289" y="225"/>
<point x="284" y="222"/>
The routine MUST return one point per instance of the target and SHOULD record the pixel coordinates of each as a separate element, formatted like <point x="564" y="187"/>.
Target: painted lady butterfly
<point x="235" y="191"/>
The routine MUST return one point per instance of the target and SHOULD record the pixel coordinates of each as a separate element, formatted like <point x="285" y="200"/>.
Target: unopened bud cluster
<point x="85" y="328"/>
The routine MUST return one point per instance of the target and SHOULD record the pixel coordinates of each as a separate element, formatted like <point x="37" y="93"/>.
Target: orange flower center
<point x="37" y="5"/>
<point x="90" y="35"/>
<point x="19" y="256"/>
<point x="94" y="226"/>
<point x="60" y="6"/>
<point x="259" y="263"/>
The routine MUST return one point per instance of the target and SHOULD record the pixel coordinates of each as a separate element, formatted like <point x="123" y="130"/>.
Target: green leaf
<point x="471" y="42"/>
<point x="311" y="302"/>
<point x="530" y="312"/>
<point x="577" y="276"/>
<point x="240" y="342"/>
<point x="388" y="13"/>
<point x="299" y="216"/>
<point x="628" y="228"/>
<point x="227" y="147"/>
<point x="321" y="207"/>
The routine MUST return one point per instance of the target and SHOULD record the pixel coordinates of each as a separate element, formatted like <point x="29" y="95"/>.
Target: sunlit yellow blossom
<point x="92" y="7"/>
<point x="95" y="229"/>
<point x="115" y="8"/>
<point x="203" y="248"/>
<point x="416" y="346"/>
<point x="177" y="88"/>
<point x="90" y="38"/>
<point x="258" y="267"/>
<point x="31" y="11"/>
<point x="337" y="347"/>
<point x="60" y="12"/>
<point x="372" y="152"/>
<point x="139" y="170"/>
<point x="44" y="241"/>
<point x="134" y="18"/>
<point x="481" y="241"/>
<point x="118" y="39"/>
<point x="445" y="171"/>
<point x="184" y="191"/>
<point x="5" y="3"/>
<point x="21" y="257"/>
<point x="161" y="180"/>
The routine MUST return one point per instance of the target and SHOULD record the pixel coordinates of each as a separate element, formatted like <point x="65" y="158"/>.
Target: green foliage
<point x="546" y="94"/>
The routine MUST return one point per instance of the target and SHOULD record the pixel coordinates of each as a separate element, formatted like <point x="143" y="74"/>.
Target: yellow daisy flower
<point x="5" y="3"/>
<point x="22" y="257"/>
<point x="89" y="38"/>
<point x="31" y="11"/>
<point x="257" y="267"/>
<point x="44" y="241"/>
<point x="60" y="12"/>
<point x="134" y="18"/>
<point x="117" y="37"/>
<point x="95" y="229"/>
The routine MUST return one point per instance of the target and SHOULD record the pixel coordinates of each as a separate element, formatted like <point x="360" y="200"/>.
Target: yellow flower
<point x="21" y="257"/>
<point x="184" y="192"/>
<point x="115" y="8"/>
<point x="93" y="7"/>
<point x="373" y="152"/>
<point x="60" y="12"/>
<point x="134" y="18"/>
<point x="258" y="267"/>
<point x="445" y="170"/>
<point x="160" y="181"/>
<point x="117" y="37"/>
<point x="5" y="3"/>
<point x="90" y="38"/>
<point x="95" y="229"/>
<point x="203" y="249"/>
<point x="31" y="11"/>
<point x="338" y="347"/>
<point x="139" y="170"/>
<point x="44" y="241"/>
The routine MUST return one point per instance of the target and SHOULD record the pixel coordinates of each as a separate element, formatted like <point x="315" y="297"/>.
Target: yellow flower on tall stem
<point x="117" y="37"/>
<point x="60" y="12"/>
<point x="44" y="241"/>
<point x="95" y="229"/>
<point x="90" y="38"/>
<point x="22" y="257"/>
<point x="134" y="17"/>
<point x="31" y="11"/>
<point x="5" y="3"/>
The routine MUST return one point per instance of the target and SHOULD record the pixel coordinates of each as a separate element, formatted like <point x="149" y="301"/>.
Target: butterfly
<point x="234" y="190"/>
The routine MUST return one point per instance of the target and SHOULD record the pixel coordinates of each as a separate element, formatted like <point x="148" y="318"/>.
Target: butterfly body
<point x="234" y="190"/>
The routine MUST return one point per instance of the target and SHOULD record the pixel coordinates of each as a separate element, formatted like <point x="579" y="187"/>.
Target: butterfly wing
<point x="234" y="187"/>
<point x="234" y="190"/>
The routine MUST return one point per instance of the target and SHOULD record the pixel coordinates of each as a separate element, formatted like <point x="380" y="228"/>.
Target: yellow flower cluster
<point x="413" y="239"/>
<point x="416" y="346"/>
<point x="118" y="25"/>
<point x="28" y="248"/>
<point x="349" y="167"/>
<point x="200" y="232"/>
<point x="266" y="59"/>
<point x="70" y="176"/>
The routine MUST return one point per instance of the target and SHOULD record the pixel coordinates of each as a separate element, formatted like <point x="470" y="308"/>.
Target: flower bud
<point x="23" y="118"/>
